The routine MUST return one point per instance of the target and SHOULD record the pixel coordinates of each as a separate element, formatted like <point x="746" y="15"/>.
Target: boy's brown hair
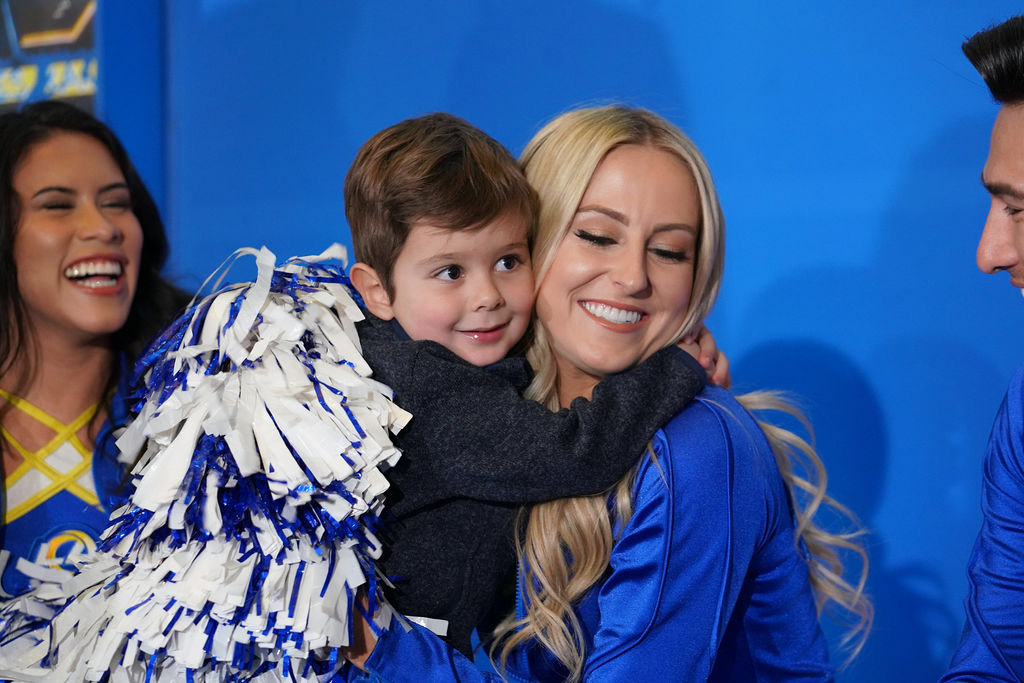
<point x="436" y="168"/>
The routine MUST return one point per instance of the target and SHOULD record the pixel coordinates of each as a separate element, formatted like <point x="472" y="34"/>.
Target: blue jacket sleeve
<point x="417" y="656"/>
<point x="708" y="559"/>
<point x="992" y="645"/>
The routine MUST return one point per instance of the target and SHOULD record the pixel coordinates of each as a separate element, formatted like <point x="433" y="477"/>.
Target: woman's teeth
<point x="619" y="316"/>
<point x="95" y="274"/>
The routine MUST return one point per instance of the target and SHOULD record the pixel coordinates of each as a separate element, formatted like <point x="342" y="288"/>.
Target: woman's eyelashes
<point x="122" y="203"/>
<point x="61" y="202"/>
<point x="666" y="253"/>
<point x="594" y="238"/>
<point x="670" y="254"/>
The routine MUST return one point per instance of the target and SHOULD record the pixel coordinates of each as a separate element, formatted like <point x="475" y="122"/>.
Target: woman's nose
<point x="94" y="224"/>
<point x="629" y="270"/>
<point x="997" y="249"/>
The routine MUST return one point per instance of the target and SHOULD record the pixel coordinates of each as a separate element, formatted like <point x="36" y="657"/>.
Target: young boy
<point x="442" y="220"/>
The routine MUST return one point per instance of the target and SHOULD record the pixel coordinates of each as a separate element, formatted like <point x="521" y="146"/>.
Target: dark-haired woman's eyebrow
<point x="114" y="186"/>
<point x="54" y="188"/>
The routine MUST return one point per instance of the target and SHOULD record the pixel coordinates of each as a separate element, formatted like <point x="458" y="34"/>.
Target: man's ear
<point x="368" y="283"/>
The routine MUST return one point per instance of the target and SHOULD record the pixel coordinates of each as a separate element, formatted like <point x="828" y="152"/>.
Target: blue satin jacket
<point x="992" y="646"/>
<point x="705" y="580"/>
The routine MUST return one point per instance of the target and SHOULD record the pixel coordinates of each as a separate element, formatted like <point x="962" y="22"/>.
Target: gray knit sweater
<point x="475" y="451"/>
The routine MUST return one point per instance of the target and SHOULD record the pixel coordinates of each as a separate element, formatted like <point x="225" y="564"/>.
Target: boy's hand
<point x="362" y="638"/>
<point x="706" y="351"/>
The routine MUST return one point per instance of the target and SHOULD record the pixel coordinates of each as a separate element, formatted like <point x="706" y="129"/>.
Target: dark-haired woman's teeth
<point x="86" y="269"/>
<point x="94" y="274"/>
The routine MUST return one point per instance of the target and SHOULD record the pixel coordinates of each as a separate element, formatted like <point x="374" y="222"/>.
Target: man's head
<point x="998" y="55"/>
<point x="442" y="222"/>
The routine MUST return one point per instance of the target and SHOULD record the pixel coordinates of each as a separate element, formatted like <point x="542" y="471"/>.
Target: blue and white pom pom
<point x="259" y="440"/>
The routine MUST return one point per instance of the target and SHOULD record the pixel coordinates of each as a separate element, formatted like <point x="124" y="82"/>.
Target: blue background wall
<point x="846" y="144"/>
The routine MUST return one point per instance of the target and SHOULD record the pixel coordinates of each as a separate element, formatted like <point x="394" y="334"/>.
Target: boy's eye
<point x="507" y="262"/>
<point x="596" y="240"/>
<point x="449" y="273"/>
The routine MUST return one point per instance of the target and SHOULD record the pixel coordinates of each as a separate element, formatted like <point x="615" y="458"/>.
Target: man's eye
<point x="449" y="273"/>
<point x="507" y="262"/>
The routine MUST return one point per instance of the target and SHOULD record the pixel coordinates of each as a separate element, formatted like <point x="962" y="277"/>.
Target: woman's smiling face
<point x="78" y="244"/>
<point x="619" y="284"/>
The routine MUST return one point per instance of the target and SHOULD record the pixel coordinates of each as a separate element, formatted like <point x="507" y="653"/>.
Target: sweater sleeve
<point x="992" y="645"/>
<point x="482" y="440"/>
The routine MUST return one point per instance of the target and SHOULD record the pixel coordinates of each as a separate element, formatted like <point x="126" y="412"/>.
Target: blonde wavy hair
<point x="567" y="543"/>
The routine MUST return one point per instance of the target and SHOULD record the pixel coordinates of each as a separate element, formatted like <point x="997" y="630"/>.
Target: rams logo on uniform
<point x="63" y="548"/>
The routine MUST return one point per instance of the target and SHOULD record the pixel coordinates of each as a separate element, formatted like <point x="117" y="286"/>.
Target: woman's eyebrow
<point x="54" y="188"/>
<point x="67" y="190"/>
<point x="114" y="186"/>
<point x="686" y="227"/>
<point x="611" y="213"/>
<point x="621" y="218"/>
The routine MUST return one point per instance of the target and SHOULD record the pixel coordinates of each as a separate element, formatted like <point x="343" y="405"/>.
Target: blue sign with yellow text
<point x="47" y="51"/>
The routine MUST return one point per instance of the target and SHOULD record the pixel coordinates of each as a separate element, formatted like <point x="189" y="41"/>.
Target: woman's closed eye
<point x="117" y="203"/>
<point x="594" y="238"/>
<point x="669" y="254"/>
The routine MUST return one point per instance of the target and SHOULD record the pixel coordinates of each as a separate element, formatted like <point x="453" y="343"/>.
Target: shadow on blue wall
<point x="911" y="346"/>
<point x="852" y="440"/>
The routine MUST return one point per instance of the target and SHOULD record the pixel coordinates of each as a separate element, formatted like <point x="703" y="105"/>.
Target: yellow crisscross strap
<point x="37" y="460"/>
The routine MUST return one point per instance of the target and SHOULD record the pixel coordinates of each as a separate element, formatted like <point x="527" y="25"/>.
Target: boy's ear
<point x="375" y="295"/>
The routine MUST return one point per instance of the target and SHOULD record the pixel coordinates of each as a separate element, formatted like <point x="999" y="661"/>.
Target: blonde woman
<point x="704" y="562"/>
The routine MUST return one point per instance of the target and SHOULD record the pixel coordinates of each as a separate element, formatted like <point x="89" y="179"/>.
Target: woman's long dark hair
<point x="156" y="300"/>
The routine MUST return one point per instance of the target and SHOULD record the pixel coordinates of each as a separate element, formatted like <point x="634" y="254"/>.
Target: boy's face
<point x="469" y="290"/>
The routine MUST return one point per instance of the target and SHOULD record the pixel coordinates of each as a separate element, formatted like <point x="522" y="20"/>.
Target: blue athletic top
<point x="705" y="581"/>
<point x="992" y="646"/>
<point x="57" y="502"/>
